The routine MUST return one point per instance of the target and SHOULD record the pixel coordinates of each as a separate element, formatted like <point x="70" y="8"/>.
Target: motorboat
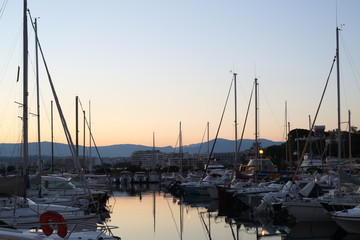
<point x="125" y="177"/>
<point x="62" y="187"/>
<point x="140" y="177"/>
<point x="349" y="219"/>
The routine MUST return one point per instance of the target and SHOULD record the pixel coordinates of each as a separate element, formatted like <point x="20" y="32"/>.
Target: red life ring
<point x="51" y="216"/>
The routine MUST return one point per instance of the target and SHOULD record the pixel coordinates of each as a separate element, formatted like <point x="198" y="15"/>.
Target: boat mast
<point x="153" y="150"/>
<point x="77" y="124"/>
<point x="84" y="148"/>
<point x="235" y="121"/>
<point x="38" y="98"/>
<point x="52" y="138"/>
<point x="256" y="120"/>
<point x="208" y="140"/>
<point x="90" y="134"/>
<point x="338" y="93"/>
<point x="289" y="145"/>
<point x="286" y="137"/>
<point x="350" y="153"/>
<point x="181" y="150"/>
<point x="25" y="91"/>
<point x="310" y="137"/>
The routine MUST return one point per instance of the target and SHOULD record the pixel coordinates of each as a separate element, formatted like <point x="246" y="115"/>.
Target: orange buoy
<point x="51" y="216"/>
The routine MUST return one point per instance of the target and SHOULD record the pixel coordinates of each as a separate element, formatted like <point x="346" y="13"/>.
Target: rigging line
<point x="173" y="217"/>
<point x="343" y="83"/>
<point x="217" y="133"/>
<point x="202" y="140"/>
<point x="62" y="118"/>
<point x="12" y="49"/>
<point x="245" y="121"/>
<point x="176" y="144"/>
<point x="272" y="112"/>
<point x="2" y="9"/>
<point x="313" y="123"/>
<point x="232" y="230"/>
<point x="202" y="220"/>
<point x="351" y="61"/>
<point x="285" y="134"/>
<point x="242" y="133"/>
<point x="15" y="148"/>
<point x="343" y="89"/>
<point x="91" y="135"/>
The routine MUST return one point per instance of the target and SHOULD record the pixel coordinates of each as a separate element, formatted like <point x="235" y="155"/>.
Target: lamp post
<point x="261" y="153"/>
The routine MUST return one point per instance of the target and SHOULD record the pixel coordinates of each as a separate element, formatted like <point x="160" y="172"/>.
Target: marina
<point x="154" y="211"/>
<point x="162" y="216"/>
<point x="272" y="192"/>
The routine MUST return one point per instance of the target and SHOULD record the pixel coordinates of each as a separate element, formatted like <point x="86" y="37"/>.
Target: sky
<point x="143" y="67"/>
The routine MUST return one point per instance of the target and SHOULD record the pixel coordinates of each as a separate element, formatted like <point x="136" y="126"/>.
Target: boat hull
<point x="349" y="220"/>
<point x="307" y="211"/>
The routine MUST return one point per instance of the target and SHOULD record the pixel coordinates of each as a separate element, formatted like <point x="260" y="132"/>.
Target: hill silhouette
<point x="125" y="150"/>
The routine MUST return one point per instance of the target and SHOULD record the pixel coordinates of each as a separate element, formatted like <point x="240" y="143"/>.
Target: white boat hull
<point x="307" y="211"/>
<point x="349" y="220"/>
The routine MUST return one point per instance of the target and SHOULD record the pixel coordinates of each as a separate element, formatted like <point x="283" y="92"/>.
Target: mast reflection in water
<point x="145" y="212"/>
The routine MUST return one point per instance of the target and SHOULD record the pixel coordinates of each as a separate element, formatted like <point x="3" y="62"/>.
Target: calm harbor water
<point x="146" y="212"/>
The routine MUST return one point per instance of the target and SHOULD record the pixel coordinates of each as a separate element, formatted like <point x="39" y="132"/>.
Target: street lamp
<point x="261" y="153"/>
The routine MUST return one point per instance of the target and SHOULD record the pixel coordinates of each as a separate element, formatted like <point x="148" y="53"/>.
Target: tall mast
<point x="256" y="120"/>
<point x="52" y="138"/>
<point x="38" y="98"/>
<point x="208" y="140"/>
<point x="180" y="149"/>
<point x="350" y="153"/>
<point x="77" y="124"/>
<point x="289" y="146"/>
<point x="286" y="136"/>
<point x="154" y="141"/>
<point x="338" y="93"/>
<point x="235" y="121"/>
<point x="25" y="90"/>
<point x="84" y="134"/>
<point x="153" y="150"/>
<point x="310" y="143"/>
<point x="90" y="134"/>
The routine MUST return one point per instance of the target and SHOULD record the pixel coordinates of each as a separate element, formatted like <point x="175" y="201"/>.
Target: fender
<point x="51" y="216"/>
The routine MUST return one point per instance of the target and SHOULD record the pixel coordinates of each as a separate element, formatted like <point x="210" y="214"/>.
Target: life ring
<point x="51" y="216"/>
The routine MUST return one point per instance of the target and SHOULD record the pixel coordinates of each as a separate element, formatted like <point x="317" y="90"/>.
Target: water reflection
<point x="145" y="212"/>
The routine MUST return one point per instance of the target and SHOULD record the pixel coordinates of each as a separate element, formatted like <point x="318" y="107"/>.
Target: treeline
<point x="321" y="144"/>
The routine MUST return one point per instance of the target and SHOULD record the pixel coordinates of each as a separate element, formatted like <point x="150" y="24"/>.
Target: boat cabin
<point x="263" y="164"/>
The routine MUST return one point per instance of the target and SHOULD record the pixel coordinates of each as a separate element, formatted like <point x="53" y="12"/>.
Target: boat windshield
<point x="57" y="185"/>
<point x="258" y="162"/>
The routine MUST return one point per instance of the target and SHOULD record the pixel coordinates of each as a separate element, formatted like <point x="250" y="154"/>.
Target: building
<point x="148" y="159"/>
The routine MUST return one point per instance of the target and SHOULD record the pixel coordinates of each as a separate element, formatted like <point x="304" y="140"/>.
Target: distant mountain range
<point x="125" y="150"/>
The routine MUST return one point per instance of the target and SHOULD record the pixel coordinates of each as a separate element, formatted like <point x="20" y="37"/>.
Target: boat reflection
<point x="164" y="216"/>
<point x="315" y="230"/>
<point x="242" y="222"/>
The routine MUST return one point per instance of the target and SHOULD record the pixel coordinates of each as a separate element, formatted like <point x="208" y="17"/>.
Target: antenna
<point x="336" y="14"/>
<point x="255" y="69"/>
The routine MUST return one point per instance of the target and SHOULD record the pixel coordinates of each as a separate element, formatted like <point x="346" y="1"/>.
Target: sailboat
<point x="20" y="212"/>
<point x="153" y="176"/>
<point x="311" y="209"/>
<point x="211" y="177"/>
<point x="258" y="166"/>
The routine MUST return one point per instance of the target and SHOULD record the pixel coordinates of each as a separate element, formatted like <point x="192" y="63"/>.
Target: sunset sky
<point x="142" y="67"/>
